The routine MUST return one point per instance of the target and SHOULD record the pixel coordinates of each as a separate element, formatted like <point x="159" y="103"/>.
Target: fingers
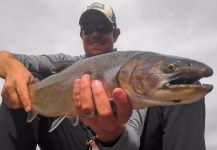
<point x="10" y="97"/>
<point x="77" y="98"/>
<point x="22" y="92"/>
<point x="82" y="96"/>
<point x="86" y="97"/>
<point x="15" y="92"/>
<point x="76" y="93"/>
<point x="89" y="96"/>
<point x="124" y="107"/>
<point x="101" y="100"/>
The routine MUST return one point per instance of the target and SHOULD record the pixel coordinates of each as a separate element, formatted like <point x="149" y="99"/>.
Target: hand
<point x="15" y="90"/>
<point x="90" y="96"/>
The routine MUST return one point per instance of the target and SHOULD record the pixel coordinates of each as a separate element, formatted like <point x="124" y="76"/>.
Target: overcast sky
<point x="179" y="27"/>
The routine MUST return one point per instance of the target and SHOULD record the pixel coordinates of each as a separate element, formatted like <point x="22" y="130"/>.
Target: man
<point x="99" y="31"/>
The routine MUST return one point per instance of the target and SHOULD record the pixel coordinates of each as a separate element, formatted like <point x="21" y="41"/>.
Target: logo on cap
<point x="96" y="6"/>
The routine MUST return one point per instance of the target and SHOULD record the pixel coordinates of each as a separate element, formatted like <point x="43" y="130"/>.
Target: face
<point x="98" y="38"/>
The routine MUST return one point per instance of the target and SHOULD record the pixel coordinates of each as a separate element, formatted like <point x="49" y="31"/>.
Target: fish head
<point x="152" y="79"/>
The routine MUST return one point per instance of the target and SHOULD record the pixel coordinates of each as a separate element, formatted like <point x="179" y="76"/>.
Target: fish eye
<point x="171" y="67"/>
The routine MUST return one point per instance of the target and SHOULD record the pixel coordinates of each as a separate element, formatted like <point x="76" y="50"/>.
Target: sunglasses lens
<point x="99" y="28"/>
<point x="104" y="29"/>
<point x="88" y="29"/>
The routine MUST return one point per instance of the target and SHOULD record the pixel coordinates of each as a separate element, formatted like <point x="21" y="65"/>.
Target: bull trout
<point x="149" y="79"/>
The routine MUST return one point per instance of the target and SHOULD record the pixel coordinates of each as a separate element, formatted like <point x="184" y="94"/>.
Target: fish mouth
<point x="180" y="90"/>
<point x="191" y="79"/>
<point x="180" y="82"/>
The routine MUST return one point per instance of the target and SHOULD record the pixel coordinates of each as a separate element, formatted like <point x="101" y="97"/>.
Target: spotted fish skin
<point x="149" y="79"/>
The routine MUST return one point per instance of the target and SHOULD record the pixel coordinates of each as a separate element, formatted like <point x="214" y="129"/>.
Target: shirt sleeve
<point x="45" y="64"/>
<point x="130" y="139"/>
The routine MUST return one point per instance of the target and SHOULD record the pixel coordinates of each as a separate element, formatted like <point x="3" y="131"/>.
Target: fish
<point x="149" y="79"/>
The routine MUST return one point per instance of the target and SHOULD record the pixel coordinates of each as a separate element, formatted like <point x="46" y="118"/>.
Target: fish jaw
<point x="169" y="96"/>
<point x="181" y="94"/>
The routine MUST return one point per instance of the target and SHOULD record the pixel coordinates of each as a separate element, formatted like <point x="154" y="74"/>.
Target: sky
<point x="186" y="28"/>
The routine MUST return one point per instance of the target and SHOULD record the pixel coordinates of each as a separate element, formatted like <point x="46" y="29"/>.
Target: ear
<point x="116" y="33"/>
<point x="81" y="34"/>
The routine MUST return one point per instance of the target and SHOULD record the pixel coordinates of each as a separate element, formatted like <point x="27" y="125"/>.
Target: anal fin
<point x="31" y="116"/>
<point x="56" y="123"/>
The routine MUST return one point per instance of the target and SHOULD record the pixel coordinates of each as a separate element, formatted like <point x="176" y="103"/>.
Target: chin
<point x="96" y="50"/>
<point x="96" y="53"/>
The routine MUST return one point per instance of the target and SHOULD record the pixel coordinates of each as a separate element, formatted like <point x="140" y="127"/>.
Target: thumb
<point x="124" y="107"/>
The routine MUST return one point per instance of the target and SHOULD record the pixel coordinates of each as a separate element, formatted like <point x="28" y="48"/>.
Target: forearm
<point x="111" y="137"/>
<point x="130" y="138"/>
<point x="46" y="65"/>
<point x="7" y="62"/>
<point x="40" y="64"/>
<point x="43" y="64"/>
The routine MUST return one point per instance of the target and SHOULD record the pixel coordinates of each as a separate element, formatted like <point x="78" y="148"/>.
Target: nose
<point x="95" y="33"/>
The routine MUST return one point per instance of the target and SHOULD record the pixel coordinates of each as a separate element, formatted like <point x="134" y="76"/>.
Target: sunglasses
<point x="99" y="28"/>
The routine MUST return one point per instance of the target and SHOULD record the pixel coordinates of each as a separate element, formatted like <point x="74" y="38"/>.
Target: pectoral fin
<point x="56" y="123"/>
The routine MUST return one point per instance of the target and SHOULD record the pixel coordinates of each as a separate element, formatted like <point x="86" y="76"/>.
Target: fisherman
<point x="160" y="128"/>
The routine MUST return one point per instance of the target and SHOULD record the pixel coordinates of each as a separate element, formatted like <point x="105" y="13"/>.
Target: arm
<point x="7" y="63"/>
<point x="130" y="138"/>
<point x="16" y="77"/>
<point x="46" y="65"/>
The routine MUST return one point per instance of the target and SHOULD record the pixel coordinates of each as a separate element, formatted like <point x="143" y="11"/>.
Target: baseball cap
<point x="97" y="9"/>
